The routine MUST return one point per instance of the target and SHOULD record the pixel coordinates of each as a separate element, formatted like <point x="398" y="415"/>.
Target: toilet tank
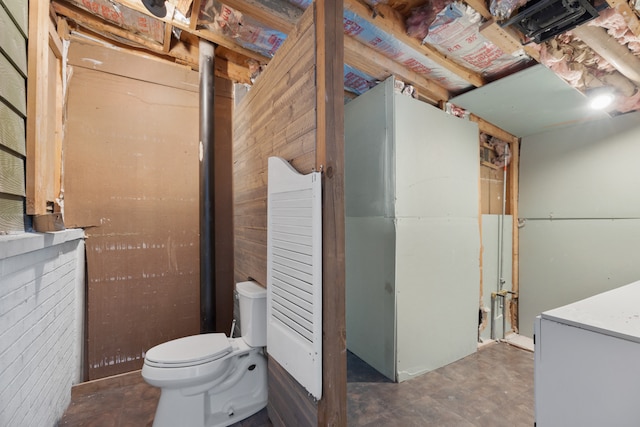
<point x="253" y="313"/>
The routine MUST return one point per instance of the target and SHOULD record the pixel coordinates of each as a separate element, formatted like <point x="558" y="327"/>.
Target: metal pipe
<point x="207" y="193"/>
<point x="504" y="212"/>
<point x="499" y="291"/>
<point x="493" y="314"/>
<point x="619" y="56"/>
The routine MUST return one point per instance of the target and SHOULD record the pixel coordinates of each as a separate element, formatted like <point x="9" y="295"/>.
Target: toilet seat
<point x="189" y="351"/>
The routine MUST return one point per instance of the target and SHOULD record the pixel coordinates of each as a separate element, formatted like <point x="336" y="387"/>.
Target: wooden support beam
<point x="506" y="39"/>
<point x="204" y="34"/>
<point x="329" y="53"/>
<point x="184" y="6"/>
<point x="195" y="13"/>
<point x="54" y="41"/>
<point x="623" y="7"/>
<point x="396" y="29"/>
<point x="366" y="59"/>
<point x="167" y="37"/>
<point x="37" y="104"/>
<point x="97" y="24"/>
<point x="480" y="6"/>
<point x="276" y="14"/>
<point x="513" y="190"/>
<point x="493" y="130"/>
<point x="180" y="51"/>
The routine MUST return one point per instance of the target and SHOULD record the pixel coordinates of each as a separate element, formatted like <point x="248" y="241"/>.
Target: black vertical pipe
<point x="207" y="189"/>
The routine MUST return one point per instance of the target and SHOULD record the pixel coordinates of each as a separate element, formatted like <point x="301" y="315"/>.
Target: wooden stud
<point x="513" y="186"/>
<point x="184" y="6"/>
<point x="37" y="91"/>
<point x="332" y="410"/>
<point x="54" y="41"/>
<point x="195" y="14"/>
<point x="168" y="30"/>
<point x="97" y="24"/>
<point x="622" y="6"/>
<point x="276" y="14"/>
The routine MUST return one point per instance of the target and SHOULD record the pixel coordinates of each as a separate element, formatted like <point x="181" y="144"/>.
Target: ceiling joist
<point x="396" y="28"/>
<point x="183" y="53"/>
<point x="366" y="59"/>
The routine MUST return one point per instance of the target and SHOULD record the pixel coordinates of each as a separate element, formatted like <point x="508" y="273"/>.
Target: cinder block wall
<point x="41" y="317"/>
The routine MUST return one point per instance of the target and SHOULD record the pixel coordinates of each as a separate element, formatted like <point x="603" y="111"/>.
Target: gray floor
<point x="492" y="388"/>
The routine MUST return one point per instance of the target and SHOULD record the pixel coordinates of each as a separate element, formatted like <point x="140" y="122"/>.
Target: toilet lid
<point x="191" y="350"/>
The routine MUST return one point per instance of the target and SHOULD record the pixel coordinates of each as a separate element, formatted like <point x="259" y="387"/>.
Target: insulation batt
<point x="422" y="17"/>
<point x="617" y="27"/>
<point x="582" y="68"/>
<point x="503" y="9"/>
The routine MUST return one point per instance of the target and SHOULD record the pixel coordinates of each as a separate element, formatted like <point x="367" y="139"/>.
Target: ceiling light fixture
<point x="601" y="99"/>
<point x="157" y="7"/>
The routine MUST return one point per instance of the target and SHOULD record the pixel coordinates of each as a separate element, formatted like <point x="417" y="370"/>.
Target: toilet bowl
<point x="211" y="380"/>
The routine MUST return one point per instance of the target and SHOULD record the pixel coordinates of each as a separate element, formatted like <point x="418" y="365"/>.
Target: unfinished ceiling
<point x="441" y="48"/>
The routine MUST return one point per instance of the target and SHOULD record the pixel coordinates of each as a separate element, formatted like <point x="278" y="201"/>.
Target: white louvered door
<point x="294" y="273"/>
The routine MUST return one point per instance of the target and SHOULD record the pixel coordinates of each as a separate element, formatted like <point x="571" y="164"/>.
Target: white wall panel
<point x="564" y="261"/>
<point x="586" y="171"/>
<point x="438" y="272"/>
<point x="437" y="162"/>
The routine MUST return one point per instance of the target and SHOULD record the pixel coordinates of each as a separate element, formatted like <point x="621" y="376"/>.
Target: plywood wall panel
<point x="131" y="179"/>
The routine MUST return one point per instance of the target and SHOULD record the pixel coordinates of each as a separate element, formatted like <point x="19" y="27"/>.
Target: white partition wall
<point x="579" y="200"/>
<point x="412" y="233"/>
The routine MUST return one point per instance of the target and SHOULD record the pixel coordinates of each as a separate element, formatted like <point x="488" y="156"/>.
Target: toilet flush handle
<point x="233" y="327"/>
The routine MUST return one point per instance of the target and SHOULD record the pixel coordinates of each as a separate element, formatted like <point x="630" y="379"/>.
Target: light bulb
<point x="601" y="101"/>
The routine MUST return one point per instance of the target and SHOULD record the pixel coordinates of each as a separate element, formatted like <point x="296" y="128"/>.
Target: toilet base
<point x="239" y="396"/>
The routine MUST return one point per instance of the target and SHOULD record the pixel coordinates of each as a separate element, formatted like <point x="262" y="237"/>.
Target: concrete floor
<point x="492" y="388"/>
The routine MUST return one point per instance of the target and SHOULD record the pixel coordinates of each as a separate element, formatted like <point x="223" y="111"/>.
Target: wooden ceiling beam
<point x="275" y="14"/>
<point x="180" y="51"/>
<point x="87" y="19"/>
<point x="204" y="34"/>
<point x="396" y="28"/>
<point x="368" y="60"/>
<point x="623" y="7"/>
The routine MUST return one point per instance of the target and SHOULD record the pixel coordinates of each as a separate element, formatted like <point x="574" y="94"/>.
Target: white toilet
<point x="211" y="380"/>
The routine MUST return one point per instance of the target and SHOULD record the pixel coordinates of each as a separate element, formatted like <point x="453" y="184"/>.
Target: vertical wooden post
<point x="37" y="92"/>
<point x="514" y="189"/>
<point x="330" y="159"/>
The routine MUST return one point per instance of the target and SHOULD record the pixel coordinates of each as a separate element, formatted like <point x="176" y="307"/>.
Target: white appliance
<point x="587" y="361"/>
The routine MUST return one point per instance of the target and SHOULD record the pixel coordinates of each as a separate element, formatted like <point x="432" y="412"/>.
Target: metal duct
<point x="207" y="192"/>
<point x="619" y="56"/>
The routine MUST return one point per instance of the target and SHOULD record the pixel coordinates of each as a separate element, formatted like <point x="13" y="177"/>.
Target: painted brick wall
<point x="41" y="317"/>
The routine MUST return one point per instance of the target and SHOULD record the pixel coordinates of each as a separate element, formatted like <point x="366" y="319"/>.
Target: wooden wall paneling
<point x="131" y="156"/>
<point x="223" y="108"/>
<point x="85" y="54"/>
<point x="332" y="408"/>
<point x="303" y="415"/>
<point x="276" y="117"/>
